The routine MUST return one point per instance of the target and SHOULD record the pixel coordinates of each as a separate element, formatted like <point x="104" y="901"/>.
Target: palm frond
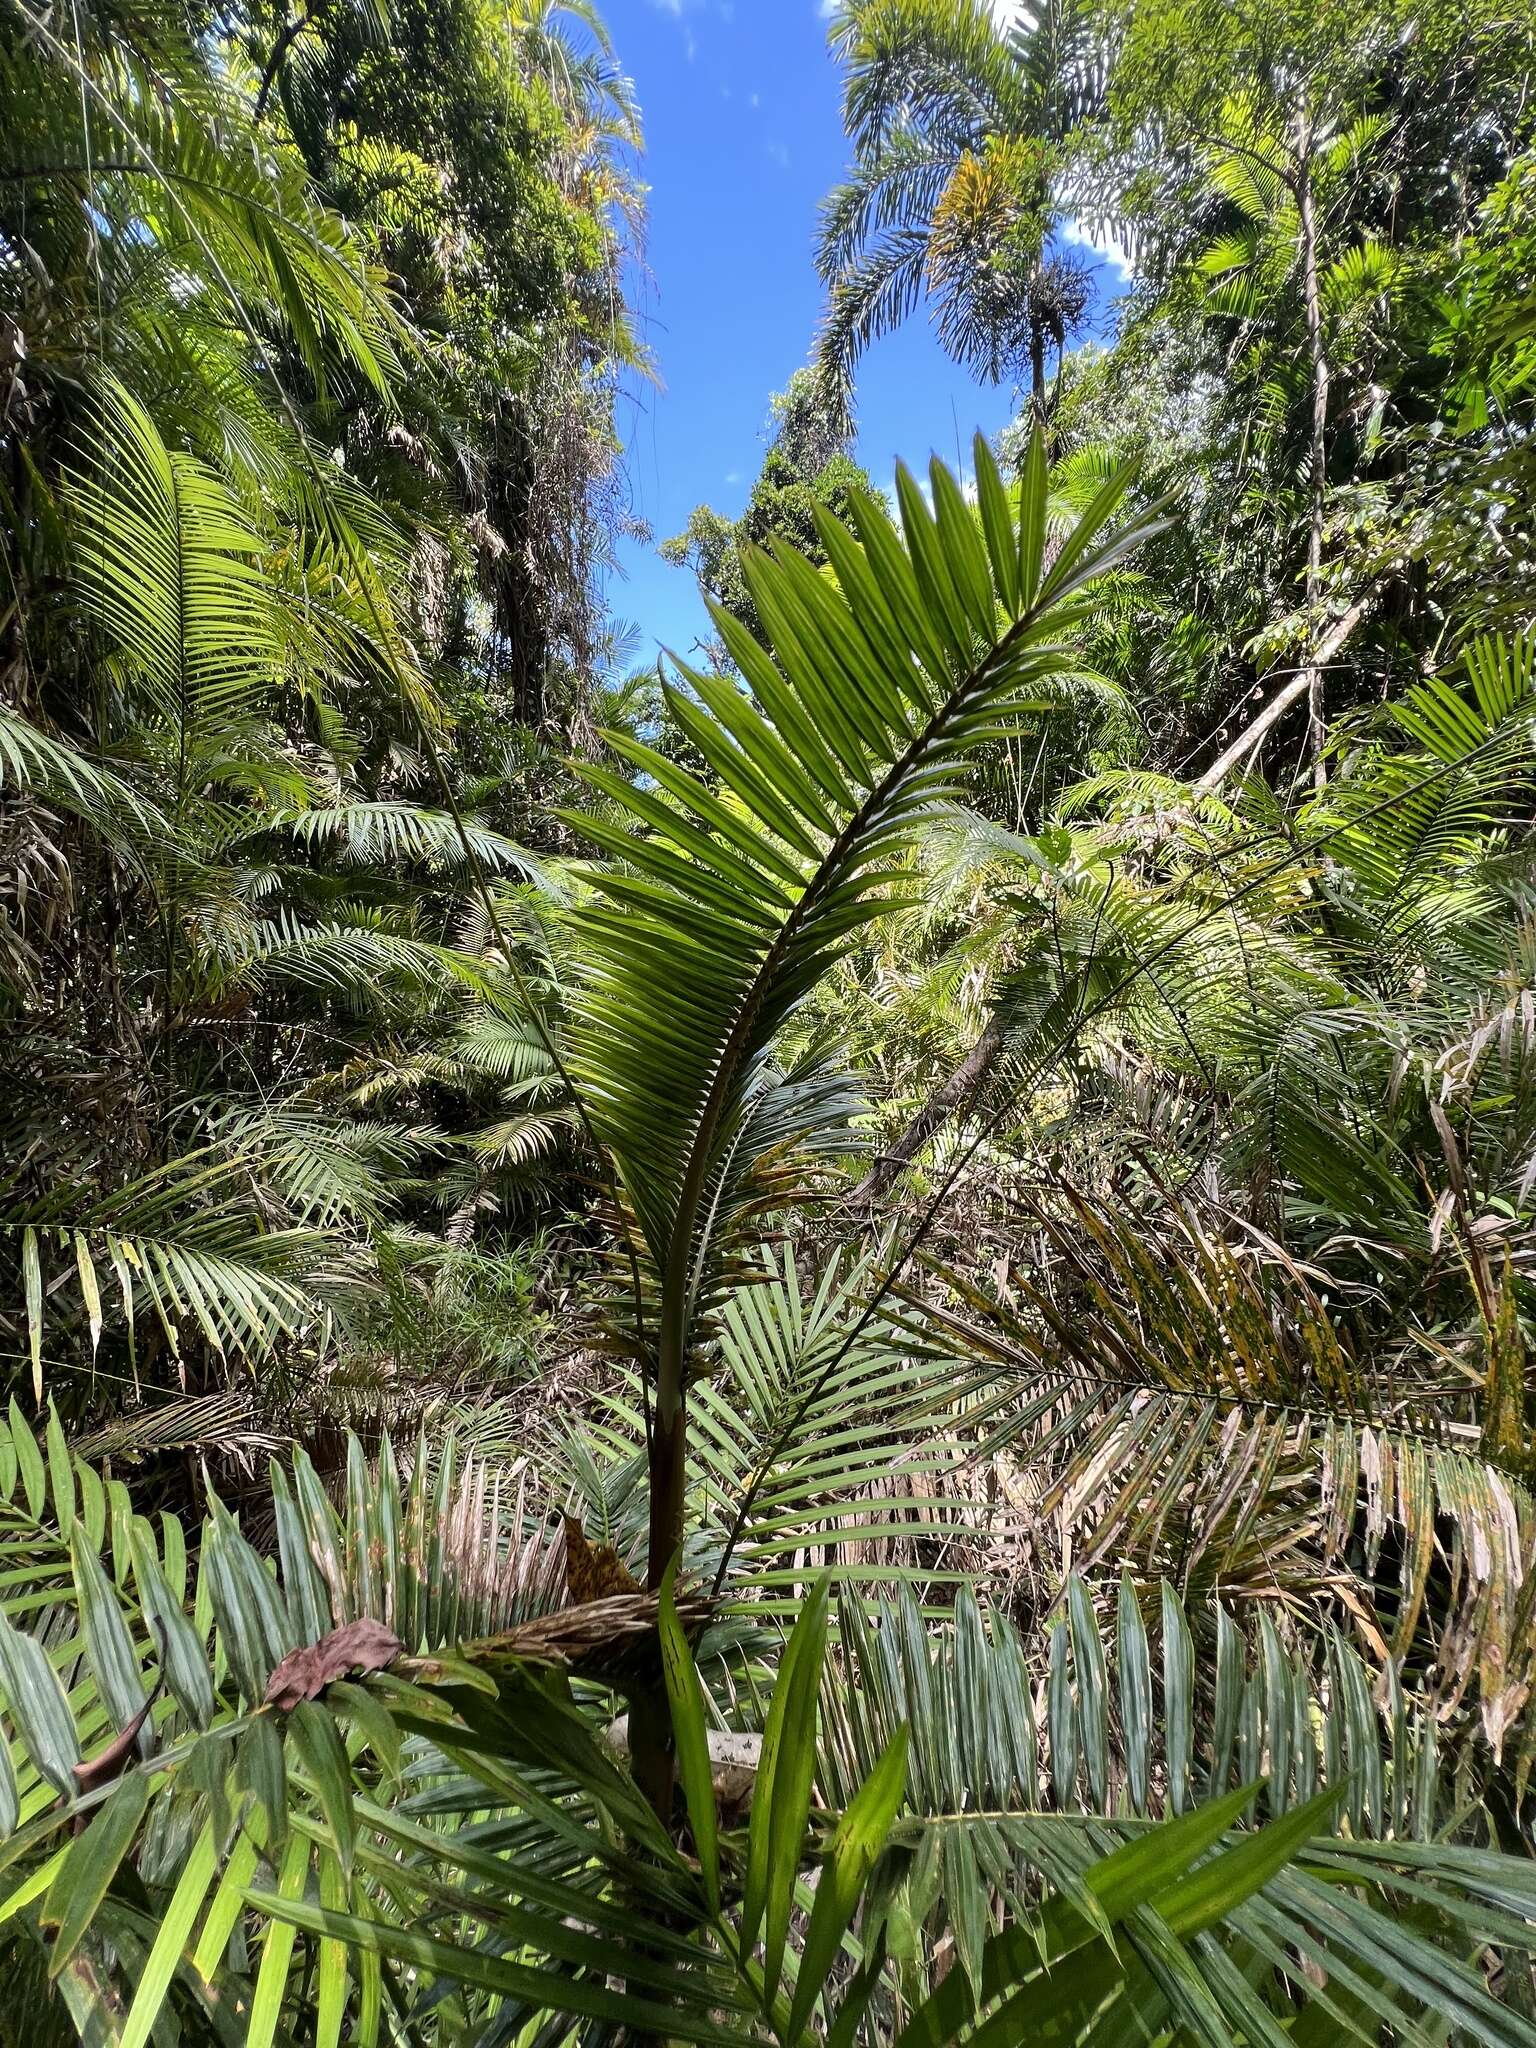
<point x="1197" y="1411"/>
<point x="1027" y="1761"/>
<point x="723" y="915"/>
<point x="167" y="563"/>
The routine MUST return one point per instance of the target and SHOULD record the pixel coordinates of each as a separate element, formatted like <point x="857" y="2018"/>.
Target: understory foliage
<point x="829" y="1345"/>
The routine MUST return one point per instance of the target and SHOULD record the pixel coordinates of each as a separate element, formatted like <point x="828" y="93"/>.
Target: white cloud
<point x="677" y="9"/>
<point x="778" y="153"/>
<point x="1104" y="243"/>
<point x="755" y="100"/>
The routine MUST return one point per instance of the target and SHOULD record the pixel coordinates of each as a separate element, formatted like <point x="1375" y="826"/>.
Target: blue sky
<point x="743" y="138"/>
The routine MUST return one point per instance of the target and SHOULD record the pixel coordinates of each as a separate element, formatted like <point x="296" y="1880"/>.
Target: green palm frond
<point x="167" y="563"/>
<point x="817" y="1445"/>
<point x="1060" y="46"/>
<point x="442" y="1555"/>
<point x="324" y="1169"/>
<point x="520" y="1140"/>
<point x="385" y="834"/>
<point x="360" y="959"/>
<point x="504" y="1048"/>
<point x="45" y="764"/>
<point x="205" y="195"/>
<point x="1430" y="813"/>
<point x="1252" y="178"/>
<point x="333" y="1833"/>
<point x="275" y="1796"/>
<point x="906" y="180"/>
<point x="415" y="1825"/>
<point x="871" y="296"/>
<point x="1370" y="270"/>
<point x="1028" y="1760"/>
<point x="943" y="63"/>
<point x="184" y="1243"/>
<point x="731" y="905"/>
<point x="1228" y="253"/>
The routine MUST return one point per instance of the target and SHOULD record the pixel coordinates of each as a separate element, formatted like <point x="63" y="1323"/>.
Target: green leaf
<point x="543" y="1990"/>
<point x="182" y="1656"/>
<point x="10" y="1805"/>
<point x="855" y="1847"/>
<point x="1032" y="502"/>
<point x="321" y="1749"/>
<point x="782" y="1798"/>
<point x="691" y="1738"/>
<point x="713" y="923"/>
<point x="29" y="1460"/>
<point x="109" y="1647"/>
<point x="228" y="1901"/>
<point x="1135" y="1694"/>
<point x="371" y="1721"/>
<point x="61" y="1470"/>
<point x="38" y="1707"/>
<point x="1207" y="1895"/>
<point x="90" y="1866"/>
<point x="331" y="1974"/>
<point x="277" y="1949"/>
<point x="260" y="1770"/>
<point x="1178" y="1697"/>
<point x="997" y="524"/>
<point x="1092" y="1687"/>
<point x="1061" y="1717"/>
<point x="186" y="1902"/>
<point x="1114" y="1887"/>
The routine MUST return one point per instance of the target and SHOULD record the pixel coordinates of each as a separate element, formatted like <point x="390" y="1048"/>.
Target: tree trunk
<point x="651" y="1720"/>
<point x="1300" y="685"/>
<point x="669" y="1458"/>
<point x="1037" y="368"/>
<point x="936" y="1111"/>
<point x="1312" y="292"/>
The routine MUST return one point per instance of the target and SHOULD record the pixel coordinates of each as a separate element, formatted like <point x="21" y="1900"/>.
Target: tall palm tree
<point x="959" y="122"/>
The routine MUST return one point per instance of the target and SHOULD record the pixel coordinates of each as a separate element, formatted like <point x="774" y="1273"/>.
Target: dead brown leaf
<point x="593" y="1571"/>
<point x="356" y="1646"/>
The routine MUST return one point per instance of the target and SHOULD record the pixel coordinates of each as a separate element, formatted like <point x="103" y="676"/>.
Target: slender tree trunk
<point x="936" y="1111"/>
<point x="287" y="36"/>
<point x="669" y="1458"/>
<point x="1318" y="354"/>
<point x="650" y="1724"/>
<point x="1037" y="368"/>
<point x="1299" y="685"/>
